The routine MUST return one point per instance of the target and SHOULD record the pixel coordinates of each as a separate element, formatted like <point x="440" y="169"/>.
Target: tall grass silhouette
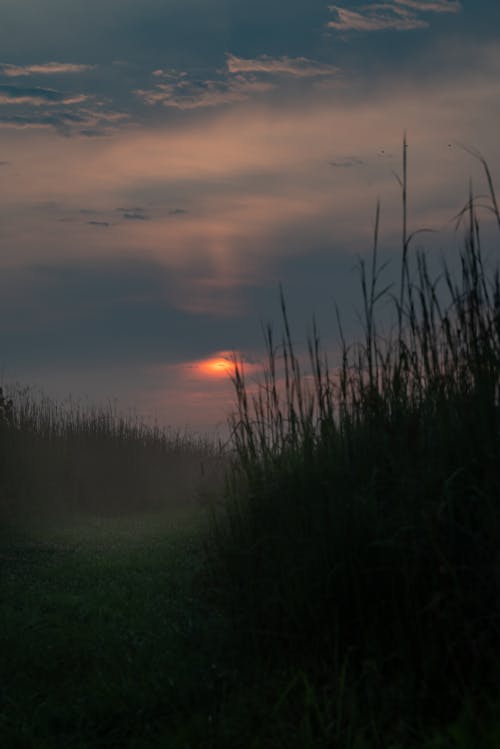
<point x="67" y="459"/>
<point x="361" y="531"/>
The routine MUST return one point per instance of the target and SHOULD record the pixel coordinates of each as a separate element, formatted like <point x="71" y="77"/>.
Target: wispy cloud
<point x="46" y="68"/>
<point x="243" y="78"/>
<point x="66" y="112"/>
<point x="172" y="74"/>
<point x="301" y="67"/>
<point x="37" y="96"/>
<point x="399" y="15"/>
<point x="84" y="121"/>
<point x="437" y="6"/>
<point x="378" y="17"/>
<point x="180" y="92"/>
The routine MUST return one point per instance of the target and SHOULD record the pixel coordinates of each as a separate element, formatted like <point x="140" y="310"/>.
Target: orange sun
<point x="219" y="365"/>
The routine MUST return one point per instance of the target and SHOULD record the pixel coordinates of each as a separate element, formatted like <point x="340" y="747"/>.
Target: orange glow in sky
<point x="219" y="365"/>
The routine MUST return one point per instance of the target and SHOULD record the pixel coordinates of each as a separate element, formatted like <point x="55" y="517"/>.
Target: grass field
<point x="339" y="588"/>
<point x="104" y="642"/>
<point x="107" y="641"/>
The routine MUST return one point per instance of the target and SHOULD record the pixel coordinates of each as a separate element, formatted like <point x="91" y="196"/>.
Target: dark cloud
<point x="134" y="214"/>
<point x="347" y="161"/>
<point x="103" y="224"/>
<point x="178" y="212"/>
<point x="64" y="122"/>
<point x="67" y="122"/>
<point x="24" y="95"/>
<point x="113" y="311"/>
<point x="117" y="311"/>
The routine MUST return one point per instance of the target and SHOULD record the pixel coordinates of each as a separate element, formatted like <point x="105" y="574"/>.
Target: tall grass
<point x="58" y="459"/>
<point x="361" y="529"/>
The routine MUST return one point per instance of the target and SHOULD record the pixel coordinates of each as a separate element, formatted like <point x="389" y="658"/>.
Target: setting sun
<point x="219" y="365"/>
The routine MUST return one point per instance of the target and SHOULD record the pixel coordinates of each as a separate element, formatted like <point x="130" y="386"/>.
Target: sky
<point x="166" y="164"/>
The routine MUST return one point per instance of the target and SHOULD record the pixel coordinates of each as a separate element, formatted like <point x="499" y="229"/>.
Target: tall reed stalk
<point x="362" y="518"/>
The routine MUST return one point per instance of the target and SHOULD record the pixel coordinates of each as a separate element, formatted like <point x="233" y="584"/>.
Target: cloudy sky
<point x="166" y="164"/>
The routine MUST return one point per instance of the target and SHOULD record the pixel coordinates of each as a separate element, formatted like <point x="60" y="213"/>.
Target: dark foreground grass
<point x="361" y="535"/>
<point x="102" y="643"/>
<point x="105" y="641"/>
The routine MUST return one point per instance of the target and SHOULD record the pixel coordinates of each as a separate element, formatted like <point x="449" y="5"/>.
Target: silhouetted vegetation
<point x="58" y="460"/>
<point x="360" y="540"/>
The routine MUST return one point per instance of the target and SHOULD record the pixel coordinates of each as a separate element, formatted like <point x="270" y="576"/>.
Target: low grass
<point x="102" y="641"/>
<point x="106" y="640"/>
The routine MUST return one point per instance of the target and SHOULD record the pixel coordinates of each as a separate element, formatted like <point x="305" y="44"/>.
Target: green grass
<point x="103" y="642"/>
<point x="107" y="641"/>
<point x="343" y="591"/>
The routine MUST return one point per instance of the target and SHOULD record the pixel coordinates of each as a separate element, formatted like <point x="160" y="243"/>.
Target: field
<point x="103" y="643"/>
<point x="332" y="581"/>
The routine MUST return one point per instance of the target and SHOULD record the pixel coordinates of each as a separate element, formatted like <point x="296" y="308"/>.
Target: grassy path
<point x="102" y="642"/>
